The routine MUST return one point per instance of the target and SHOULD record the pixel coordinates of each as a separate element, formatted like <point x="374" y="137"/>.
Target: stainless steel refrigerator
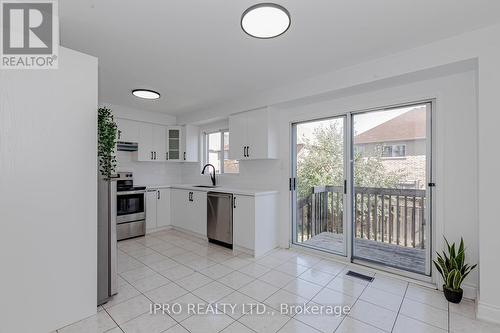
<point x="106" y="240"/>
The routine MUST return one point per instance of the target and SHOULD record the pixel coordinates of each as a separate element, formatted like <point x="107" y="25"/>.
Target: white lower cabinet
<point x="189" y="211"/>
<point x="244" y="222"/>
<point x="157" y="208"/>
<point x="255" y="223"/>
<point x="151" y="209"/>
<point x="163" y="208"/>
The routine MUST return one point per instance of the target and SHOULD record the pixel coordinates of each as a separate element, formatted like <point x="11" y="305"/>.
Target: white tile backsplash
<point x="149" y="173"/>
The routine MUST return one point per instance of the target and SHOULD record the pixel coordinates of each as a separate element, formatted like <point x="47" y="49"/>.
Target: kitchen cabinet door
<point x="159" y="143"/>
<point x="174" y="143"/>
<point x="163" y="207"/>
<point x="238" y="133"/>
<point x="258" y="134"/>
<point x="151" y="203"/>
<point x="197" y="221"/>
<point x="244" y="221"/>
<point x="128" y="130"/>
<point x="145" y="142"/>
<point x="179" y="202"/>
<point x="190" y="142"/>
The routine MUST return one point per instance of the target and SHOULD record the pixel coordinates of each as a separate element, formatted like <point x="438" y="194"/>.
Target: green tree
<point x="320" y="162"/>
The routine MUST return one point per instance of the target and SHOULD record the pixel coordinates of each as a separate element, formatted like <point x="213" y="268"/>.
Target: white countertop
<point x="192" y="187"/>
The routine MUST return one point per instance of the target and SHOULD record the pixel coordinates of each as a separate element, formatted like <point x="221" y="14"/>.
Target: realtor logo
<point x="30" y="34"/>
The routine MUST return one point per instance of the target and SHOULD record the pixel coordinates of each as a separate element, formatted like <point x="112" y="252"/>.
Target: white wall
<point x="48" y="195"/>
<point x="149" y="173"/>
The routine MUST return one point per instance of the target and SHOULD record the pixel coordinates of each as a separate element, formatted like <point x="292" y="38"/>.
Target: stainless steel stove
<point x="130" y="207"/>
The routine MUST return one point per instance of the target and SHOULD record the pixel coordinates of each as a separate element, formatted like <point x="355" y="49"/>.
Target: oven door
<point x="130" y="206"/>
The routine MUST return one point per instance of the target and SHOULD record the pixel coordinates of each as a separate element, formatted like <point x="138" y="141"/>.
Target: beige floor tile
<point x="425" y="313"/>
<point x="101" y="322"/>
<point x="236" y="280"/>
<point x="346" y="286"/>
<point x="207" y="323"/>
<point x="350" y="325"/>
<point x="406" y="324"/>
<point x="316" y="276"/>
<point x="258" y="290"/>
<point x="303" y="288"/>
<point x="373" y="315"/>
<point x="129" y="309"/>
<point x="213" y="292"/>
<point x="382" y="298"/>
<point x="194" y="281"/>
<point x="148" y="323"/>
<point x="276" y="278"/>
<point x="266" y="323"/>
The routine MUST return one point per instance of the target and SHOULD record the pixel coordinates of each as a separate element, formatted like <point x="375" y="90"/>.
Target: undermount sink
<point x="206" y="186"/>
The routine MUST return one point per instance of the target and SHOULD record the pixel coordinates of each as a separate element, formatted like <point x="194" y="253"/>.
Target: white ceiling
<point x="196" y="55"/>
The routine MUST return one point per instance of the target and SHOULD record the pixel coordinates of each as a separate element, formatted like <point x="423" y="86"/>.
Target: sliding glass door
<point x="389" y="171"/>
<point x="391" y="159"/>
<point x="319" y="165"/>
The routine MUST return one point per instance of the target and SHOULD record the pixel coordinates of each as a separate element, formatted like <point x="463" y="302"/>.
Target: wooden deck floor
<point x="407" y="258"/>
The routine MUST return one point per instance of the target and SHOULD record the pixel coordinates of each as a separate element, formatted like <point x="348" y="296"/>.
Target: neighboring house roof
<point x="410" y="125"/>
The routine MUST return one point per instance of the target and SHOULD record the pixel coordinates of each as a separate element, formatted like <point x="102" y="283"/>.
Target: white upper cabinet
<point x="151" y="142"/>
<point x="253" y="135"/>
<point x="128" y="130"/>
<point x="183" y="143"/>
<point x="161" y="143"/>
<point x="145" y="141"/>
<point x="238" y="136"/>
<point x="190" y="143"/>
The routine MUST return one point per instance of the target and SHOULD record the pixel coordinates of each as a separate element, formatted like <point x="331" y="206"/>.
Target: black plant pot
<point x="453" y="296"/>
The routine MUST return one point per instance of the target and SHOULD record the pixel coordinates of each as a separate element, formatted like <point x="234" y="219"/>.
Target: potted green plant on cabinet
<point x="452" y="267"/>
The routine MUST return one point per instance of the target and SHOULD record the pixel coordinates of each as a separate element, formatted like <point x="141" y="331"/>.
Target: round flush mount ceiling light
<point x="265" y="20"/>
<point x="145" y="93"/>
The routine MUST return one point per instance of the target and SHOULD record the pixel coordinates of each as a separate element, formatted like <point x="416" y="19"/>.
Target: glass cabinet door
<point x="174" y="144"/>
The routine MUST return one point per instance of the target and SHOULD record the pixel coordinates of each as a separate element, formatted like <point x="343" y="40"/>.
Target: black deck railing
<point x="388" y="215"/>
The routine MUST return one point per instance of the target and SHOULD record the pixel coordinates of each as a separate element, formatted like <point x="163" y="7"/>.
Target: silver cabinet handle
<point x="158" y="194"/>
<point x="151" y="155"/>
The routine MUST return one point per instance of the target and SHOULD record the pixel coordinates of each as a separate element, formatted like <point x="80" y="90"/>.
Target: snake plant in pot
<point x="453" y="269"/>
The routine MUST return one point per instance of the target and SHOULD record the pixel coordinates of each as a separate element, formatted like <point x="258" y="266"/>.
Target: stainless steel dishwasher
<point x="220" y="218"/>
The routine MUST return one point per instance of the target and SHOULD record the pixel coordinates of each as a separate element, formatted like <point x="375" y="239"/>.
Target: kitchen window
<point x="217" y="152"/>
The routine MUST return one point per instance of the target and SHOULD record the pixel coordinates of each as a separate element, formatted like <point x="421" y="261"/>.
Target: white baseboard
<point x="240" y="249"/>
<point x="470" y="291"/>
<point x="191" y="233"/>
<point x="488" y="312"/>
<point x="158" y="229"/>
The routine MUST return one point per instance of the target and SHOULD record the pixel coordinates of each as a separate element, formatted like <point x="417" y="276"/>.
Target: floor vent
<point x="360" y="276"/>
